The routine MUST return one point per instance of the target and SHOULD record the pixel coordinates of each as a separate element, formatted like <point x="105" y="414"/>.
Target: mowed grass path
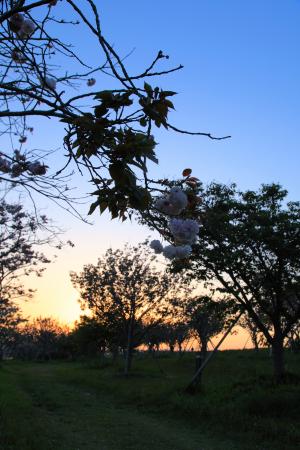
<point x="76" y="406"/>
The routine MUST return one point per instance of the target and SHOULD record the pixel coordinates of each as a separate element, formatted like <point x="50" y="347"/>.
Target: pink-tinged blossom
<point x="28" y="27"/>
<point x="36" y="168"/>
<point x="91" y="82"/>
<point x="183" y="251"/>
<point x="156" y="246"/>
<point x="50" y="83"/>
<point x="17" y="169"/>
<point x="169" y="252"/>
<point x="178" y="198"/>
<point x="184" y="231"/>
<point x="163" y="205"/>
<point x="177" y="252"/>
<point x="5" y="165"/>
<point x="173" y="203"/>
<point x="16" y="21"/>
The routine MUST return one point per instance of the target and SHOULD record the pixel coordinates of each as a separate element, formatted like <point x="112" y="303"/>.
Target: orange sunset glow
<point x="56" y="297"/>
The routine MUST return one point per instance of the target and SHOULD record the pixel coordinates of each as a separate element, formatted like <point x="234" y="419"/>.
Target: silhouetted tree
<point x="249" y="243"/>
<point x="256" y="336"/>
<point x="10" y="319"/>
<point x="207" y="318"/>
<point x="21" y="237"/>
<point x="43" y="338"/>
<point x="95" y="336"/>
<point x="125" y="287"/>
<point x="155" y="336"/>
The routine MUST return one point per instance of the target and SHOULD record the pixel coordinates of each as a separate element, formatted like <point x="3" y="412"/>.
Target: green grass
<point x="82" y="405"/>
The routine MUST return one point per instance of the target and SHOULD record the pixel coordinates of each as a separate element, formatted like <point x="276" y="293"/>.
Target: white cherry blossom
<point x="156" y="245"/>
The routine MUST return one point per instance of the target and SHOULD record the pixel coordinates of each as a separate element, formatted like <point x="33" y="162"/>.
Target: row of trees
<point x="110" y="139"/>
<point x="44" y="339"/>
<point x="247" y="252"/>
<point x="22" y="237"/>
<point x="243" y="245"/>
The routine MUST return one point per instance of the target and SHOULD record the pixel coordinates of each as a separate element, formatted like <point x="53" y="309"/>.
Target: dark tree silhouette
<point x="125" y="287"/>
<point x="207" y="318"/>
<point x="249" y="246"/>
<point x="249" y="242"/>
<point x="10" y="319"/>
<point x="21" y="237"/>
<point x="42" y="338"/>
<point x="255" y="334"/>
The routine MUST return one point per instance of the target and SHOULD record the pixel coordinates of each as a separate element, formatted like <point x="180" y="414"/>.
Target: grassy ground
<point x="76" y="406"/>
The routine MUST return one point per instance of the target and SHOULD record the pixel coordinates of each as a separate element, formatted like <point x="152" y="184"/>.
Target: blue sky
<point x="241" y="77"/>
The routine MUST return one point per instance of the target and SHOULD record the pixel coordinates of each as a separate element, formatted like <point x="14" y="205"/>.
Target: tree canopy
<point x="126" y="290"/>
<point x="249" y="244"/>
<point x="110" y="139"/>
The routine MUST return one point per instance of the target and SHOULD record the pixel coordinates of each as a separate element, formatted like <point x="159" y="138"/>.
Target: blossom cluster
<point x="20" y="165"/>
<point x="50" y="83"/>
<point x="23" y="27"/>
<point x="184" y="231"/>
<point x="171" y="251"/>
<point x="18" y="56"/>
<point x="91" y="82"/>
<point x="36" y="168"/>
<point x="173" y="203"/>
<point x="5" y="165"/>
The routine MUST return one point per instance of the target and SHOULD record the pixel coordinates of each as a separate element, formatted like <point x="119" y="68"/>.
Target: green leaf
<point x="122" y="175"/>
<point x="100" y="111"/>
<point x="186" y="172"/>
<point x="148" y="89"/>
<point x="169" y="104"/>
<point x="103" y="206"/>
<point x="104" y="95"/>
<point x="152" y="157"/>
<point x="143" y="122"/>
<point x="93" y="207"/>
<point x="167" y="93"/>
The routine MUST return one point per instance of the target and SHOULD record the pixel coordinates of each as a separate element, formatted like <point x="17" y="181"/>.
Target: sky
<point x="240" y="78"/>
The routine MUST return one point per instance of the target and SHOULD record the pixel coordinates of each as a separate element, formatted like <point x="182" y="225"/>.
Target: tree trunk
<point x="255" y="341"/>
<point x="150" y="348"/>
<point x="278" y="357"/>
<point x="191" y="387"/>
<point x="115" y="353"/>
<point x="128" y="359"/>
<point x="203" y="349"/>
<point x="129" y="349"/>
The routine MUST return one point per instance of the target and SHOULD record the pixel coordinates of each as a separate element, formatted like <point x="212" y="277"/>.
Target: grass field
<point x="85" y="405"/>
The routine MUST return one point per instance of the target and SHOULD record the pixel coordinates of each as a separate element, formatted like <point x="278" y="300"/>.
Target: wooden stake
<point x="191" y="387"/>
